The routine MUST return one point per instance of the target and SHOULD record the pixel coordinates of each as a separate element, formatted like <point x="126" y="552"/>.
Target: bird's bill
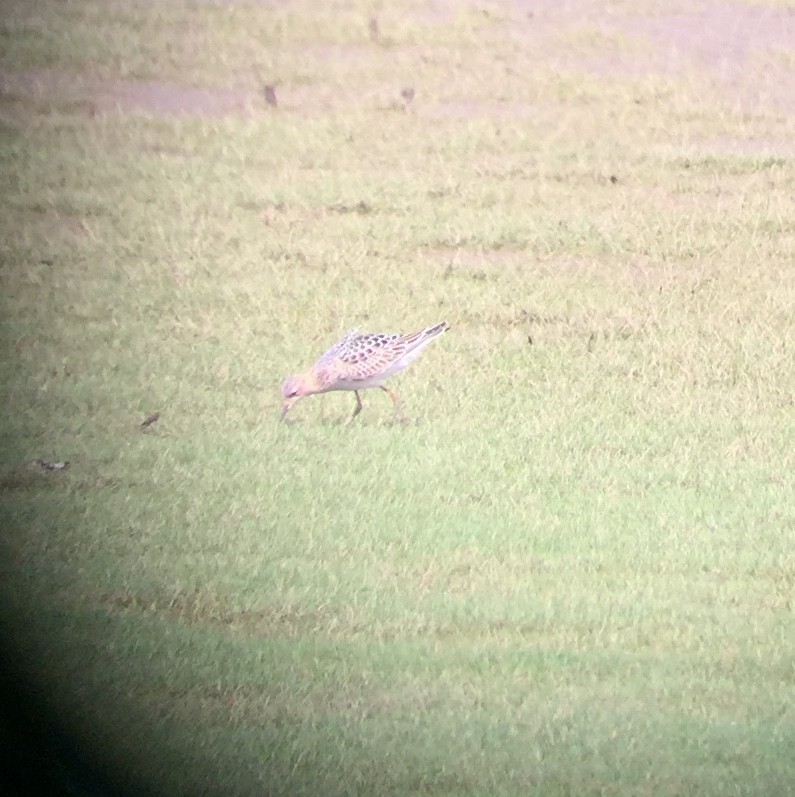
<point x="287" y="406"/>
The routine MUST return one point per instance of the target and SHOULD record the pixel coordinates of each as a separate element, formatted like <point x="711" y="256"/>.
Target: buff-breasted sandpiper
<point x="358" y="362"/>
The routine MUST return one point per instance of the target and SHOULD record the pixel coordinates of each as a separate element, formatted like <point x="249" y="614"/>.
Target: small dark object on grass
<point x="613" y="179"/>
<point x="591" y="341"/>
<point x="270" y="95"/>
<point x="150" y="419"/>
<point x="407" y="94"/>
<point x="52" y="465"/>
<point x="373" y="28"/>
<point x="530" y="340"/>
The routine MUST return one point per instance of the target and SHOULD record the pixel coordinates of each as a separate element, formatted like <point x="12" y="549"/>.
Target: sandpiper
<point x="357" y="362"/>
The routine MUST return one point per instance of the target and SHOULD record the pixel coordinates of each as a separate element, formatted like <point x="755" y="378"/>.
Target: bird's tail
<point x="432" y="332"/>
<point x="417" y="341"/>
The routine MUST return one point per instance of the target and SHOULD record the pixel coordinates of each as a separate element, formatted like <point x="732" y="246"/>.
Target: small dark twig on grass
<point x="150" y="419"/>
<point x="269" y="91"/>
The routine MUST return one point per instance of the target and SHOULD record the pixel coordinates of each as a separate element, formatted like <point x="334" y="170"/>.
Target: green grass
<point x="570" y="572"/>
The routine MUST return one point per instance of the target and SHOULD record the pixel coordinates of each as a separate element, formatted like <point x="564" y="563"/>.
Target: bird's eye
<point x="292" y="394"/>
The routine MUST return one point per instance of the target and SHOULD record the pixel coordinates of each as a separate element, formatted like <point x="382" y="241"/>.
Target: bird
<point x="358" y="362"/>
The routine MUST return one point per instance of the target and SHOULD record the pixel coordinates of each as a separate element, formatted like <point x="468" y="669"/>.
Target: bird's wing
<point x="331" y="355"/>
<point x="367" y="356"/>
<point x="362" y="357"/>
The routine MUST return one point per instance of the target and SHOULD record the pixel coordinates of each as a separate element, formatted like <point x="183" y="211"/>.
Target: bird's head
<point x="296" y="387"/>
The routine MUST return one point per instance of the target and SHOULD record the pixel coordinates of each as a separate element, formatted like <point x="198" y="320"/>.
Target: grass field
<point x="572" y="571"/>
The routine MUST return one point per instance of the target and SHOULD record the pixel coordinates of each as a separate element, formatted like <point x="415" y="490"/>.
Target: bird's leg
<point x="358" y="404"/>
<point x="395" y="401"/>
